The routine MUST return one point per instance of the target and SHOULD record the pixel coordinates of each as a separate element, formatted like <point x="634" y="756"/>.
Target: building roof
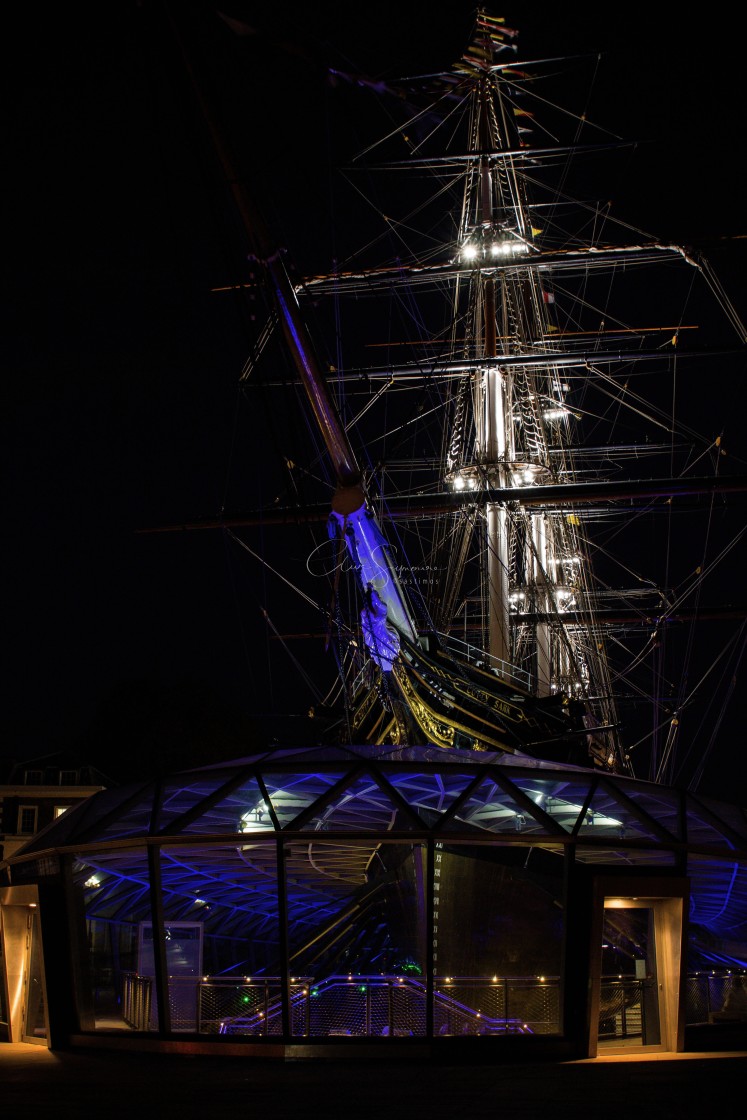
<point x="217" y="826"/>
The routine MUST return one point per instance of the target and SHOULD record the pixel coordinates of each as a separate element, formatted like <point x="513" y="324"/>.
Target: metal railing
<point x="364" y="1006"/>
<point x="716" y="996"/>
<point x="137" y="1001"/>
<point x="512" y="674"/>
<point x="622" y="1008"/>
<point x="501" y="1005"/>
<point x="240" y="1005"/>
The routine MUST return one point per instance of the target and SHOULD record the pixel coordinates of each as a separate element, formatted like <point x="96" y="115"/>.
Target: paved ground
<point x="36" y="1083"/>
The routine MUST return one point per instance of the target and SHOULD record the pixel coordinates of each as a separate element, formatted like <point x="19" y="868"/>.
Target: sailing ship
<point x="444" y="868"/>
<point x="481" y="468"/>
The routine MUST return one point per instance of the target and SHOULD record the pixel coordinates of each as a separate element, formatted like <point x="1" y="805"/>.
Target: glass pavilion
<point x="302" y="899"/>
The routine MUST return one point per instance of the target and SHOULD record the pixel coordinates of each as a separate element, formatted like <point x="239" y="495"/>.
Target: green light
<point x="408" y="967"/>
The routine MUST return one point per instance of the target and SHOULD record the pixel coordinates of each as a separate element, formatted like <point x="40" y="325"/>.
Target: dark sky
<point x="122" y="363"/>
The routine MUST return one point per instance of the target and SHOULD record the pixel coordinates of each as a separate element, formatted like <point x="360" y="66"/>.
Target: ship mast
<point x="534" y="564"/>
<point x="490" y="415"/>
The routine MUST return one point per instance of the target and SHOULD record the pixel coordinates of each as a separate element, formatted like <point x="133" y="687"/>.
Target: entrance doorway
<point x="636" y="975"/>
<point x="34" y="1017"/>
<point x="23" y="980"/>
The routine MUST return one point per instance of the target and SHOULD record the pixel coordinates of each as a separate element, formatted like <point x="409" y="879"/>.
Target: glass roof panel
<point x="429" y="792"/>
<point x="560" y="797"/>
<point x="184" y="791"/>
<point x="361" y="806"/>
<point x="421" y="777"/>
<point x="608" y="817"/>
<point x="242" y="810"/>
<point x="732" y="815"/>
<point x="701" y="830"/>
<point x="294" y="791"/>
<point x="133" y="821"/>
<point x="659" y="802"/>
<point x="84" y="818"/>
<point x="488" y="807"/>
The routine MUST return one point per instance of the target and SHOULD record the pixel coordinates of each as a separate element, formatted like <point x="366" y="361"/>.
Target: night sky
<point x="122" y="361"/>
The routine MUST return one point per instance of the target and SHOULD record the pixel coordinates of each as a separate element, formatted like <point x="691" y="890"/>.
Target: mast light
<point x="464" y="480"/>
<point x="493" y="247"/>
<point x="505" y="248"/>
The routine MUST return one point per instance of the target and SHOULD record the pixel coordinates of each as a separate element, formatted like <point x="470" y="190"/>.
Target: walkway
<point x="78" y="1084"/>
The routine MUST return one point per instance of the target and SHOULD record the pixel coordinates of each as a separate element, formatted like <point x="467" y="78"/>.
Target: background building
<point x="36" y="792"/>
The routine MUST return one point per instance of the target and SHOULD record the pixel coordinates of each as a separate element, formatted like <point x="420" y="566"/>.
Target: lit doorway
<point x="23" y="979"/>
<point x="34" y="1012"/>
<point x="636" y="974"/>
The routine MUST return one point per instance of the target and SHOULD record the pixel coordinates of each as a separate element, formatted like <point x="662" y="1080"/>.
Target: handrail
<point x="508" y="672"/>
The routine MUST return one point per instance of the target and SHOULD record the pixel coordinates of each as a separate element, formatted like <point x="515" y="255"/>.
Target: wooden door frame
<point x="667" y="898"/>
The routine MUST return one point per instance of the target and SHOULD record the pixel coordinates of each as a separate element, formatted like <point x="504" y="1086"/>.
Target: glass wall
<point x="111" y="909"/>
<point x="504" y="977"/>
<point x="716" y="991"/>
<point x="222" y="936"/>
<point x="357" y="937"/>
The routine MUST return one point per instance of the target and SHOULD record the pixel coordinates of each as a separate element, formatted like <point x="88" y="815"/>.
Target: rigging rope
<point x="689" y="698"/>
<point x="698" y="773"/>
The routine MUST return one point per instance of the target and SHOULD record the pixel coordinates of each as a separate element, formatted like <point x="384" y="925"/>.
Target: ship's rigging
<point x="489" y="618"/>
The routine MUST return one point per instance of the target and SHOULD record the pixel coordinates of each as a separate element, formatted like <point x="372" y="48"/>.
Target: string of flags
<point x="492" y="36"/>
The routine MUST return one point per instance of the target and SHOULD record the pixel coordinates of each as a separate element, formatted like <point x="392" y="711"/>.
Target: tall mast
<point x="491" y="427"/>
<point x="533" y="566"/>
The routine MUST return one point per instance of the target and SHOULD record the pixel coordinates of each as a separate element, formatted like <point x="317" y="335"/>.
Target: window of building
<point x="33" y="777"/>
<point x="27" y="820"/>
<point x="59" y="810"/>
<point x="68" y="777"/>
